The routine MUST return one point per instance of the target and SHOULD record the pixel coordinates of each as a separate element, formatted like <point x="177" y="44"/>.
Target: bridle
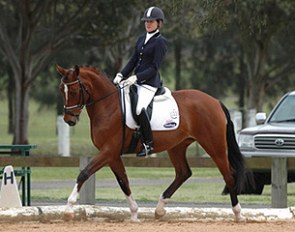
<point x="82" y="90"/>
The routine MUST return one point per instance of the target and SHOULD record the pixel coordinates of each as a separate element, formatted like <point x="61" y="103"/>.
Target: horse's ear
<point x="60" y="70"/>
<point x="77" y="70"/>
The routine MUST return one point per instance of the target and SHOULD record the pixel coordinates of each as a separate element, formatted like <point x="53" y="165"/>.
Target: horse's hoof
<point x="69" y="214"/>
<point x="134" y="218"/>
<point x="240" y="218"/>
<point x="160" y="213"/>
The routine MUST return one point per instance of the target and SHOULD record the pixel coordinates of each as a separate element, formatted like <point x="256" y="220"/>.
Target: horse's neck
<point x="105" y="98"/>
<point x="105" y="105"/>
<point x="105" y="116"/>
<point x="101" y="87"/>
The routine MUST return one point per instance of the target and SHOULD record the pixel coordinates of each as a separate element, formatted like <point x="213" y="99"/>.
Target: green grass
<point x="142" y="193"/>
<point x="205" y="193"/>
<point x="60" y="174"/>
<point x="50" y="174"/>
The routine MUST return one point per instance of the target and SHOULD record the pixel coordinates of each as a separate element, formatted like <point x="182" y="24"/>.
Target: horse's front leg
<point x="120" y="173"/>
<point x="95" y="164"/>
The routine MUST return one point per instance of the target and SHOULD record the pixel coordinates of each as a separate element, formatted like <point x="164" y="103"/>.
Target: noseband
<point x="82" y="91"/>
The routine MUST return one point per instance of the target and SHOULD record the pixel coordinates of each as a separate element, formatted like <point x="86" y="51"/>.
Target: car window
<point x="285" y="110"/>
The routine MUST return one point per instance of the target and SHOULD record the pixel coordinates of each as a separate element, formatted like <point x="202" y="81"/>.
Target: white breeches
<point x="145" y="96"/>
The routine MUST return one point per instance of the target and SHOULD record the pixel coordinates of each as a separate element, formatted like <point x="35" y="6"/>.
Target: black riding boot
<point x="145" y="128"/>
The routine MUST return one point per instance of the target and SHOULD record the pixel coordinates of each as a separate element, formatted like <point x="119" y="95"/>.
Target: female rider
<point x="150" y="50"/>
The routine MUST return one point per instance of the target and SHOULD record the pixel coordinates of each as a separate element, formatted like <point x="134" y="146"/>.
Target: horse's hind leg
<point x="224" y="168"/>
<point x="120" y="173"/>
<point x="182" y="173"/>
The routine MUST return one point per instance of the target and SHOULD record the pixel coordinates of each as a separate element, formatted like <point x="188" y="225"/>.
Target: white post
<point x="63" y="133"/>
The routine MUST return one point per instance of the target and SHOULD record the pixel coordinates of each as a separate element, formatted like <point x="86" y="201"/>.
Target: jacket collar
<point x="149" y="36"/>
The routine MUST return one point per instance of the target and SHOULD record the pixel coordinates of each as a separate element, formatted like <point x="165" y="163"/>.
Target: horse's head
<point x="74" y="92"/>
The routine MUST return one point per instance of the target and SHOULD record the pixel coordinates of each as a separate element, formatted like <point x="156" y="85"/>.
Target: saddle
<point x="134" y="99"/>
<point x="163" y="110"/>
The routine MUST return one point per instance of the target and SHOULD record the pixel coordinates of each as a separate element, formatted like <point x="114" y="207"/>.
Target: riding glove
<point x="118" y="78"/>
<point x="130" y="81"/>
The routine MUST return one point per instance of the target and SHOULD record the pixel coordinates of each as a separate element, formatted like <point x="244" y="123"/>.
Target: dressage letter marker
<point x="9" y="195"/>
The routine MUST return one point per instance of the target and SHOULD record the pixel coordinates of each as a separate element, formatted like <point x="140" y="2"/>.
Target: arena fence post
<point x="279" y="176"/>
<point x="87" y="192"/>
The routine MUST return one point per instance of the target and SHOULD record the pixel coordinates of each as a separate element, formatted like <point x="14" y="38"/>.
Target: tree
<point x="262" y="29"/>
<point x="182" y="27"/>
<point x="214" y="61"/>
<point x="31" y="32"/>
<point x="114" y="41"/>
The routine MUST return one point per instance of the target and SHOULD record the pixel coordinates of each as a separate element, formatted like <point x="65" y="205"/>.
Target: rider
<point x="148" y="55"/>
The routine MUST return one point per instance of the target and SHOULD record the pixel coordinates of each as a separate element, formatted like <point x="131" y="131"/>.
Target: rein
<point x="83" y="90"/>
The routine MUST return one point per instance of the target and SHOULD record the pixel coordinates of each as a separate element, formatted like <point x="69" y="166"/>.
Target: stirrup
<point x="147" y="150"/>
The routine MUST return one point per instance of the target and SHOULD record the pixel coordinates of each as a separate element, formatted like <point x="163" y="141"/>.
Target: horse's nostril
<point x="71" y="123"/>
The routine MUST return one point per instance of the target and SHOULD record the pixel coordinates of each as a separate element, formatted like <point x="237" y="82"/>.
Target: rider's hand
<point x="130" y="81"/>
<point x="118" y="78"/>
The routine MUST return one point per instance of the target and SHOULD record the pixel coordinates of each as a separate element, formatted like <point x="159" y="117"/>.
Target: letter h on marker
<point x="8" y="178"/>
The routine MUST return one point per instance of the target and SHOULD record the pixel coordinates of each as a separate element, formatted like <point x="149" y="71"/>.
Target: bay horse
<point x="203" y="119"/>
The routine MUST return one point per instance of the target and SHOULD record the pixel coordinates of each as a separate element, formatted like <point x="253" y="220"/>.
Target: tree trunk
<point x="21" y="114"/>
<point x="256" y="72"/>
<point x="177" y="56"/>
<point x="11" y="101"/>
<point x="241" y="89"/>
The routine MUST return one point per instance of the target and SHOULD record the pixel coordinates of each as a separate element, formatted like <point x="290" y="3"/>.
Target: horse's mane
<point x="95" y="70"/>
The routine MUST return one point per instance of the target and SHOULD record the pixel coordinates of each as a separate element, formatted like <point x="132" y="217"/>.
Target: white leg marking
<point x="69" y="213"/>
<point x="237" y="212"/>
<point x="160" y="210"/>
<point x="73" y="196"/>
<point x="133" y="208"/>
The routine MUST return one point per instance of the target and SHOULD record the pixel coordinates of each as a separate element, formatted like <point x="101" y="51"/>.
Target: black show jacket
<point x="146" y="60"/>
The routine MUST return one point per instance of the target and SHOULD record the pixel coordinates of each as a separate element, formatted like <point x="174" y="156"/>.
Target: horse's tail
<point x="242" y="175"/>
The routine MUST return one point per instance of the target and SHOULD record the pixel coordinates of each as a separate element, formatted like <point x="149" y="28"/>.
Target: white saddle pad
<point x="165" y="114"/>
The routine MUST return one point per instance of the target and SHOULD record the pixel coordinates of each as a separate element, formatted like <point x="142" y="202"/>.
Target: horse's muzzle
<point x="71" y="123"/>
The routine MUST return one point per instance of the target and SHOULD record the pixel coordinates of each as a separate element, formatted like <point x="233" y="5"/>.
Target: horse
<point x="203" y="119"/>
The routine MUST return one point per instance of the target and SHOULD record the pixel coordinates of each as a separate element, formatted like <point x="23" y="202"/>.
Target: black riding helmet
<point x="153" y="13"/>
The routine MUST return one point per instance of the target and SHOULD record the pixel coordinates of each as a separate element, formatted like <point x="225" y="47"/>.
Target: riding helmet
<point x="153" y="13"/>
